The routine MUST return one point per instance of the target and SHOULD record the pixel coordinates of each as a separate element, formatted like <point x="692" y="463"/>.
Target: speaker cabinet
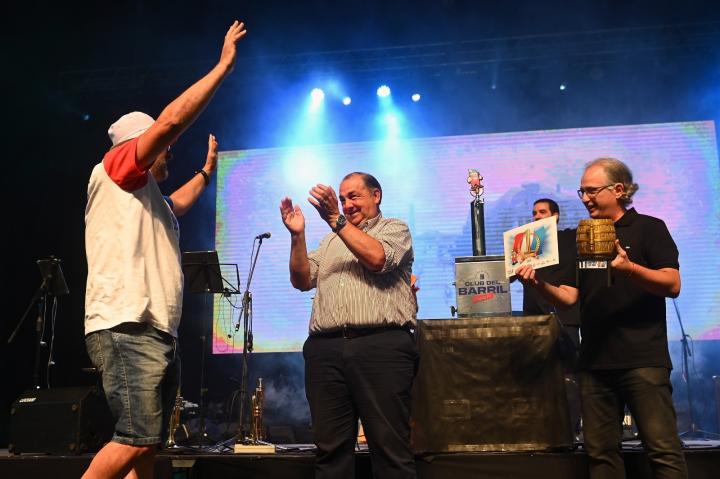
<point x="490" y="384"/>
<point x="60" y="421"/>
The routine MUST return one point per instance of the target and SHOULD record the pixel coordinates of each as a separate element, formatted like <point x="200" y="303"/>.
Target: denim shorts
<point x="140" y="370"/>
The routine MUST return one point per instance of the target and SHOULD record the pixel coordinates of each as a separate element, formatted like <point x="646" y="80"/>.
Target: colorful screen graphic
<point x="425" y="184"/>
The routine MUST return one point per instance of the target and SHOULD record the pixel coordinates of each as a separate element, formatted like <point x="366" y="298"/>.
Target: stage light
<point x="317" y="95"/>
<point x="563" y="87"/>
<point x="415" y="97"/>
<point x="317" y="99"/>
<point x="383" y="91"/>
<point x="346" y="101"/>
<point x="85" y="117"/>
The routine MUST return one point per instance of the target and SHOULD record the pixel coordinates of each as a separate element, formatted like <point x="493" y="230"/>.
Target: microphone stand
<point x="203" y="275"/>
<point x="40" y="297"/>
<point x="242" y="436"/>
<point x="694" y="432"/>
<point x="53" y="284"/>
<point x="203" y="438"/>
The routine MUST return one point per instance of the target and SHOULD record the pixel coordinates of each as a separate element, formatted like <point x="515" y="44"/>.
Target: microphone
<point x="263" y="236"/>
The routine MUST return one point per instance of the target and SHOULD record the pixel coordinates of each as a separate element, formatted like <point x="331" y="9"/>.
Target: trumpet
<point x="257" y="433"/>
<point x="174" y="420"/>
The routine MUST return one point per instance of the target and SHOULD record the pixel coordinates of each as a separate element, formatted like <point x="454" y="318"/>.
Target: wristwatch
<point x="340" y="222"/>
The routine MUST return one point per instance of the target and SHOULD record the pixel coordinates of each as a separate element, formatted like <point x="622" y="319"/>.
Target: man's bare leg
<point x="144" y="468"/>
<point x="117" y="460"/>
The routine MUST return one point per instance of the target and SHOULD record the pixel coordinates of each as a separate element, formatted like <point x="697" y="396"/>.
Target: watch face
<point x="340" y="222"/>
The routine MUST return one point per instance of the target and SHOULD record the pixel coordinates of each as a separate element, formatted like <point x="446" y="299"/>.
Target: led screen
<point x="424" y="183"/>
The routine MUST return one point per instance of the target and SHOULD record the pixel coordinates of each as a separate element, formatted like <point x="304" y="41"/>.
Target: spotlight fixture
<point x="415" y="97"/>
<point x="317" y="95"/>
<point x="346" y="101"/>
<point x="383" y="91"/>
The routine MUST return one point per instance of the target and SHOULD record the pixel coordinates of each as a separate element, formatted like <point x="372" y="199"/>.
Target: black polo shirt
<point x="534" y="303"/>
<point x="624" y="326"/>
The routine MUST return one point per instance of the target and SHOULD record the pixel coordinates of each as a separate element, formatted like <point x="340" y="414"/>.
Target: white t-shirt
<point x="132" y="247"/>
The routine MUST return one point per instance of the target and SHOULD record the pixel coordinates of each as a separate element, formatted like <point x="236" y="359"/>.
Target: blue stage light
<point x="346" y="101"/>
<point x="415" y="97"/>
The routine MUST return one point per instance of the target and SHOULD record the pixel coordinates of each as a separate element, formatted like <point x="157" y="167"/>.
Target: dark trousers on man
<point x="368" y="377"/>
<point x="648" y="394"/>
<point x="569" y="346"/>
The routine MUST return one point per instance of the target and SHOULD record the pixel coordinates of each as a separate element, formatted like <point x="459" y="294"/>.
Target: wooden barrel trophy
<point x="595" y="240"/>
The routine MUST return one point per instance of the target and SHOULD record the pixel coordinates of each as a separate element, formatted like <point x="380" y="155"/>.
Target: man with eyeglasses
<point x="624" y="358"/>
<point x="133" y="299"/>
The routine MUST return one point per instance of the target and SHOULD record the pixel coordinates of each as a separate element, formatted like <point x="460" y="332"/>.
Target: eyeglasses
<point x="592" y="191"/>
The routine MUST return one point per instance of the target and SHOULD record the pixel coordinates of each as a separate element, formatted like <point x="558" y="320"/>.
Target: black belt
<point x="352" y="332"/>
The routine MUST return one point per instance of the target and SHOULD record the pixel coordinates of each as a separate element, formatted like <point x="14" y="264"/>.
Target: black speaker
<point x="60" y="421"/>
<point x="490" y="384"/>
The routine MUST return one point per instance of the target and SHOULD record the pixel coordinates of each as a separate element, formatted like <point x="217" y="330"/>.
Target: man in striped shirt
<point x="360" y="357"/>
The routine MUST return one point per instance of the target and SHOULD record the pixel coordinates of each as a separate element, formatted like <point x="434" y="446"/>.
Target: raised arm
<point x="294" y="221"/>
<point x="185" y="196"/>
<point x="181" y="112"/>
<point x="368" y="250"/>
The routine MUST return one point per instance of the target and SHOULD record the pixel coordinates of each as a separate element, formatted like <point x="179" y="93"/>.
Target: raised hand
<point x="292" y="216"/>
<point x="229" y="49"/>
<point x="212" y="155"/>
<point x="325" y="201"/>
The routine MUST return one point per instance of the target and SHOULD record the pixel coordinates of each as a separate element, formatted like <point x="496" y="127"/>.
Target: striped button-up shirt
<point x="350" y="295"/>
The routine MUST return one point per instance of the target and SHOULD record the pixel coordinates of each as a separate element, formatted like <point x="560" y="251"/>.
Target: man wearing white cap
<point x="134" y="288"/>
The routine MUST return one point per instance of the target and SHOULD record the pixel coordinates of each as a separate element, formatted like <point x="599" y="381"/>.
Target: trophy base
<point x="254" y="449"/>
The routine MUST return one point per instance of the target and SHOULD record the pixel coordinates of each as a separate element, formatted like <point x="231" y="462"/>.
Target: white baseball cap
<point x="129" y="126"/>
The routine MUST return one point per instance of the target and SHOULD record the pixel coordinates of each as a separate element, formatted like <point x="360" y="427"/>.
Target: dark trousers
<point x="648" y="394"/>
<point x="368" y="377"/>
<point x="569" y="346"/>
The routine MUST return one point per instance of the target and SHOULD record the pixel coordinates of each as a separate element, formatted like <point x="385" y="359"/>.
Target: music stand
<point x="202" y="276"/>
<point x="53" y="284"/>
<point x="202" y="272"/>
<point x="52" y="276"/>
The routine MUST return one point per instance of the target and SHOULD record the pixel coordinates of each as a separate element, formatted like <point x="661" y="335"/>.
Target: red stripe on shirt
<point x="121" y="166"/>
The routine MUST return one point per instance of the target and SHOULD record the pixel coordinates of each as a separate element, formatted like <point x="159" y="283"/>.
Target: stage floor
<point x="296" y="461"/>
